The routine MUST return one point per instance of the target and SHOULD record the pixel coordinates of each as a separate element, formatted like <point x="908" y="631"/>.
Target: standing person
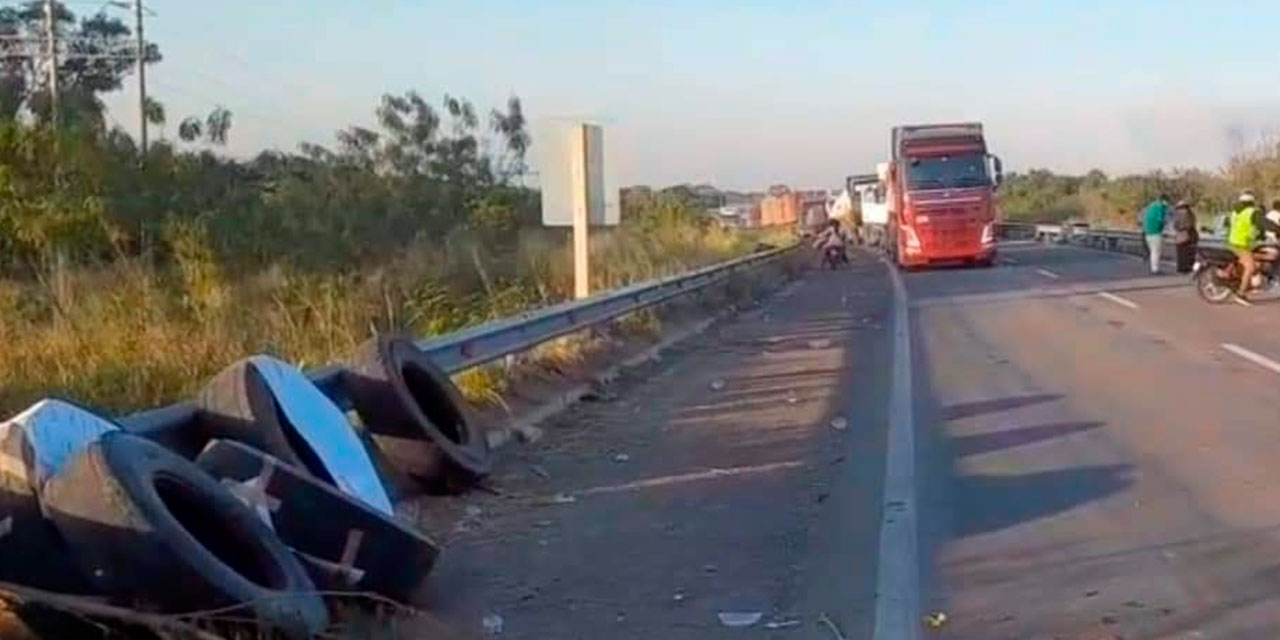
<point x="1241" y="238"/>
<point x="1185" y="235"/>
<point x="1153" y="218"/>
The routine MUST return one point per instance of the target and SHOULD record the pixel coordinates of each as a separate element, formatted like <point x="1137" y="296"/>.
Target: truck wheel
<point x="238" y="405"/>
<point x="417" y="416"/>
<point x="271" y="406"/>
<point x="346" y="545"/>
<point x="34" y="445"/>
<point x="147" y="525"/>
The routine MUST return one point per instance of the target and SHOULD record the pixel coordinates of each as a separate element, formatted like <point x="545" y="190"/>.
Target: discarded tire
<point x="418" y="417"/>
<point x="346" y="545"/>
<point x="271" y="406"/>
<point x="34" y="445"/>
<point x="149" y="526"/>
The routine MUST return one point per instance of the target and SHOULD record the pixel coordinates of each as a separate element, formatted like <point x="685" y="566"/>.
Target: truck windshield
<point x="947" y="172"/>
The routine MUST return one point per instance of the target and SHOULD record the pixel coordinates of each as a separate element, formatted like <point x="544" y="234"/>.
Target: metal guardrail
<point x="477" y="345"/>
<point x="1128" y="241"/>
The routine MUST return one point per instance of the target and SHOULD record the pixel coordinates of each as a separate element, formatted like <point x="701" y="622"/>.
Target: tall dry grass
<point x="129" y="334"/>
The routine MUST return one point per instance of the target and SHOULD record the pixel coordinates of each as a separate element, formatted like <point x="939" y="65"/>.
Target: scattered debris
<point x="791" y="397"/>
<point x="528" y="435"/>
<point x="935" y="620"/>
<point x="839" y="423"/>
<point x="539" y="471"/>
<point x="473" y="511"/>
<point x="486" y="487"/>
<point x="709" y="568"/>
<point x="492" y="624"/>
<point x="822" y="343"/>
<point x="543" y="524"/>
<point x="717" y="384"/>
<point x="1091" y="593"/>
<point x="1134" y="604"/>
<point x="599" y="394"/>
<point x="822" y="497"/>
<point x="1108" y="620"/>
<point x="563" y="498"/>
<point x="782" y="624"/>
<point x="678" y="597"/>
<point x="740" y="618"/>
<point x="622" y="457"/>
<point x="835" y="630"/>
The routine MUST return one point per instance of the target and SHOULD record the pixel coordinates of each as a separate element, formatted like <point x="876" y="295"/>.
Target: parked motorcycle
<point x="1217" y="273"/>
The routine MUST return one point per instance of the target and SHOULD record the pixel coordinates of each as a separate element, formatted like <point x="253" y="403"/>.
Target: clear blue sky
<point x="749" y="92"/>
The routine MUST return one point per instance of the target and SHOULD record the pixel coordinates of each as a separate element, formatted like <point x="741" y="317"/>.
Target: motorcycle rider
<point x="1273" y="217"/>
<point x="833" y="237"/>
<point x="1269" y="224"/>
<point x="1247" y="222"/>
<point x="1240" y="239"/>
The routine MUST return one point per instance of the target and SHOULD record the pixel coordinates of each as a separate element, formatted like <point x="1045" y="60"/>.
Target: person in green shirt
<point x="1153" y="219"/>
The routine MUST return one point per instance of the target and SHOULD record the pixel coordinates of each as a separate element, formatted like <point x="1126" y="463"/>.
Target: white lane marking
<point x="1260" y="360"/>
<point x="1124" y="302"/>
<point x="897" y="577"/>
<point x="1048" y="274"/>
<point x="1241" y="301"/>
<point x="691" y="477"/>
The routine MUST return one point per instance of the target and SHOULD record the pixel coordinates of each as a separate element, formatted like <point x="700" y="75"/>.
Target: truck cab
<point x="941" y="183"/>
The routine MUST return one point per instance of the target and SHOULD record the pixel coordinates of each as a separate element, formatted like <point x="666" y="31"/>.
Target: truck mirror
<point x="998" y="169"/>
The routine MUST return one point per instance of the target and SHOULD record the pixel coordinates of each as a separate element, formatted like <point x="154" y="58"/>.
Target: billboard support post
<point x="582" y="216"/>
<point x="578" y="189"/>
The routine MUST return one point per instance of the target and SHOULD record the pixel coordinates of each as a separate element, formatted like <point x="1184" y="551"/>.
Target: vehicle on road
<point x="834" y="257"/>
<point x="1217" y="273"/>
<point x="935" y="199"/>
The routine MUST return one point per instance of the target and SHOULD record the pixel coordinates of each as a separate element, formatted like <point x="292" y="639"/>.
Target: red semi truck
<point x="939" y="192"/>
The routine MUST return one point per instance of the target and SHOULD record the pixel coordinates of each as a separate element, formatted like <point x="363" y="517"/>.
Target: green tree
<point x="97" y="55"/>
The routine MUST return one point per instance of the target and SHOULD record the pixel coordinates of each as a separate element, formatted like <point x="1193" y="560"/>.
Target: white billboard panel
<point x="575" y="174"/>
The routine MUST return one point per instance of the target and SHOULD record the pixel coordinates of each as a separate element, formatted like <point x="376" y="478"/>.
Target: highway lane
<point x="749" y="483"/>
<point x="1091" y="469"/>
<point x="1085" y="466"/>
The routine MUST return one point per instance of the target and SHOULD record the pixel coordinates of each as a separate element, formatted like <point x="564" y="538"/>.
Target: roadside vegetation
<point x="127" y="279"/>
<point x="1043" y="196"/>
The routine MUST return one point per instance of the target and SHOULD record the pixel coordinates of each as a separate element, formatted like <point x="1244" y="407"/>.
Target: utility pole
<point x="142" y="77"/>
<point x="51" y="42"/>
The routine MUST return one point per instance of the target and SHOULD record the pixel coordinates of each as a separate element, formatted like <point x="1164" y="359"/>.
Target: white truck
<point x="871" y="193"/>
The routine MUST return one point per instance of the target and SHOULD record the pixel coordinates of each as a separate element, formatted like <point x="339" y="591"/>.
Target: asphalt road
<point x="1083" y="451"/>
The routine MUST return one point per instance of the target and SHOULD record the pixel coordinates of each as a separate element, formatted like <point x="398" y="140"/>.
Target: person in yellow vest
<point x="1241" y="238"/>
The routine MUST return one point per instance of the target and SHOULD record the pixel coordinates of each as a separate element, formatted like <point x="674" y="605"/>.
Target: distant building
<point x="737" y="216"/>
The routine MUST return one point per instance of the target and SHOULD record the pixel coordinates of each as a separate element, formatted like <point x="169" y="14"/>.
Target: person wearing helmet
<point x="1271" y="224"/>
<point x="1241" y="238"/>
<point x="1268" y="225"/>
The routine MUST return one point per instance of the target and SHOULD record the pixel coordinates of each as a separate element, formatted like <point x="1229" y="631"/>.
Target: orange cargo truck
<point x="940" y="185"/>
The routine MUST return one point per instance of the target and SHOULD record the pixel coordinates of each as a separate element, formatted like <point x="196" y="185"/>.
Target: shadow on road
<point x="1024" y="277"/>
<point x="987" y="503"/>
<point x="979" y="443"/>
<point x="980" y="407"/>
